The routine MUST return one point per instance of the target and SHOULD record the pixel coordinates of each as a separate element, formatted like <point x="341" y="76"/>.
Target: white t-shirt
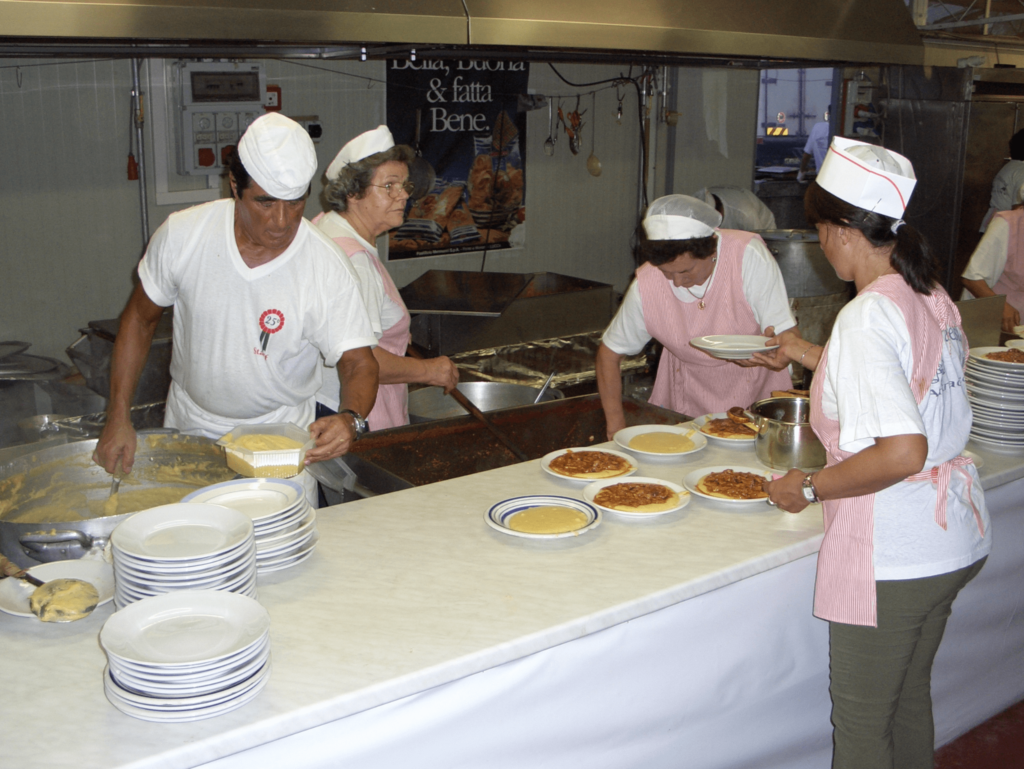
<point x="989" y="258"/>
<point x="248" y="341"/>
<point x="384" y="311"/>
<point x="1005" y="190"/>
<point x="763" y="289"/>
<point x="867" y="389"/>
<point x="743" y="210"/>
<point x="817" y="143"/>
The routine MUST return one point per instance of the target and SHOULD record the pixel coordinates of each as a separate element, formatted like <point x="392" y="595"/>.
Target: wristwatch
<point x="358" y="422"/>
<point x="810" y="493"/>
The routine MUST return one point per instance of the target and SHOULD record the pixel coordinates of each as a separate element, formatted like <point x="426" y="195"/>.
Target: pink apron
<point x="1011" y="282"/>
<point x="689" y="381"/>
<point x="844" y="589"/>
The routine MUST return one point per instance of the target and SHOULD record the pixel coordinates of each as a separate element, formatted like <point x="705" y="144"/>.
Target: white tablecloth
<point x="737" y="677"/>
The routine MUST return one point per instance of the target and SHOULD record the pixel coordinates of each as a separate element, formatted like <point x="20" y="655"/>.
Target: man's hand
<point x="334" y="436"/>
<point x="115" y="449"/>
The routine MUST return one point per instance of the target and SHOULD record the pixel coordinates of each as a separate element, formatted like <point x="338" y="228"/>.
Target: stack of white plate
<point x="284" y="522"/>
<point x="186" y="656"/>
<point x="996" y="392"/>
<point x="183" y="547"/>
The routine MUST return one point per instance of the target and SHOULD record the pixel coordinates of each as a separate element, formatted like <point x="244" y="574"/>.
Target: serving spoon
<point x="61" y="600"/>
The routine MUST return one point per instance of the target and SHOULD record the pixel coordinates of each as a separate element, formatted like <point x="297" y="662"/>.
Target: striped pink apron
<point x="1011" y="282"/>
<point x="844" y="589"/>
<point x="392" y="406"/>
<point x="689" y="381"/>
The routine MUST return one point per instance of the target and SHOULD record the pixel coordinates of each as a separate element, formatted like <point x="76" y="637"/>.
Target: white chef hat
<point x="867" y="176"/>
<point x="680" y="217"/>
<point x="279" y="155"/>
<point x="364" y="145"/>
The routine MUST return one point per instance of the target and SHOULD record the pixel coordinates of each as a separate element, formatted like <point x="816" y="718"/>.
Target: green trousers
<point x="881" y="677"/>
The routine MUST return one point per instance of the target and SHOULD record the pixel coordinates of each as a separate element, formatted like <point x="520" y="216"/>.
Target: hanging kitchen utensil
<point x="544" y="387"/>
<point x="61" y="600"/>
<point x="468" y="405"/>
<point x="549" y="143"/>
<point x="421" y="173"/>
<point x="573" y="124"/>
<point x="593" y="164"/>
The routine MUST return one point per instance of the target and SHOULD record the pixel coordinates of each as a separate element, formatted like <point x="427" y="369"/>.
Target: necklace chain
<point x="700" y="300"/>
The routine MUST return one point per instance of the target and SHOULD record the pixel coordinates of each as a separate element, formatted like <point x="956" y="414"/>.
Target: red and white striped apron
<point x="689" y="381"/>
<point x="392" y="406"/>
<point x="844" y="589"/>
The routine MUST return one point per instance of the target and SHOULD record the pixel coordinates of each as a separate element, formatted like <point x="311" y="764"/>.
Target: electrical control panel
<point x="218" y="101"/>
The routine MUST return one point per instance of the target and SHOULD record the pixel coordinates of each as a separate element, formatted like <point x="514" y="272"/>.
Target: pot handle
<point x="46" y="546"/>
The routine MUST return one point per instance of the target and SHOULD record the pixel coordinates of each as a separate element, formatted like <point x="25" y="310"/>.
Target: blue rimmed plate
<point x="499" y="515"/>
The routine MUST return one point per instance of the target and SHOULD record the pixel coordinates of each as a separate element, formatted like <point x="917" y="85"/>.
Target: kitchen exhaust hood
<point x="739" y="31"/>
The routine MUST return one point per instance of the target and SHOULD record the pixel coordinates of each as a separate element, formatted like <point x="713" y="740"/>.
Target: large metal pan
<point x="30" y="481"/>
<point x="429" y="403"/>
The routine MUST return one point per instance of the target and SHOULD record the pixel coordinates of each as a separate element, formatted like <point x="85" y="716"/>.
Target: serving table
<point x="418" y="636"/>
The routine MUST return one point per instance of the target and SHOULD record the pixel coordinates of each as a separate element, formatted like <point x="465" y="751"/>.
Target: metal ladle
<point x="61" y="600"/>
<point x="549" y="144"/>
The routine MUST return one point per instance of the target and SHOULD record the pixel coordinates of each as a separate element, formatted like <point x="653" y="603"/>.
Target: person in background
<point x="260" y="294"/>
<point x="696" y="280"/>
<point x="906" y="525"/>
<point x="367" y="188"/>
<point x="740" y="209"/>
<point x="1006" y="186"/>
<point x="815" y="148"/>
<point x="997" y="265"/>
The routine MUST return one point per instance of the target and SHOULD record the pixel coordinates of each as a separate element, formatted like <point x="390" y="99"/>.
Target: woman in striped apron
<point x="367" y="188"/>
<point x="905" y="520"/>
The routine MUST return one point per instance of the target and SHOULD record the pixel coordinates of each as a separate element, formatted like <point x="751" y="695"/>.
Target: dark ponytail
<point x="911" y="257"/>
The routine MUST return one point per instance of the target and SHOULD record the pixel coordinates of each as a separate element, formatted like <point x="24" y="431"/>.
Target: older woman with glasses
<point x="367" y="189"/>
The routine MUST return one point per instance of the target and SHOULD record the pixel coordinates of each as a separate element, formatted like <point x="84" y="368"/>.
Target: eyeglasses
<point x="394" y="189"/>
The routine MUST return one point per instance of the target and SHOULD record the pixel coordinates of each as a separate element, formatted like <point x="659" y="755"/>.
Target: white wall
<point x="69" y="218"/>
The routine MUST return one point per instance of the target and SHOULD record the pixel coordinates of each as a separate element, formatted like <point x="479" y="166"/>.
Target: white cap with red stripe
<point x="867" y="176"/>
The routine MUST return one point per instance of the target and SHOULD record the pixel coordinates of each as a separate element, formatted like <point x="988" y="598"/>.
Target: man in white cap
<point x="696" y="280"/>
<point x="367" y="189"/>
<point x="997" y="265"/>
<point x="741" y="209"/>
<point x="259" y="295"/>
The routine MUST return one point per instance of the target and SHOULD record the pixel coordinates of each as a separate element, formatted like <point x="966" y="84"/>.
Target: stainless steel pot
<point x="431" y="403"/>
<point x="784" y="436"/>
<point x="27" y="481"/>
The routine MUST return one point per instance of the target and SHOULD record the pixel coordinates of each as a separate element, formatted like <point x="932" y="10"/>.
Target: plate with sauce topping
<point x="637" y="497"/>
<point x="731" y="484"/>
<point x="588" y="464"/>
<point x="718" y="427"/>
<point x="540" y="516"/>
<point x="661" y="441"/>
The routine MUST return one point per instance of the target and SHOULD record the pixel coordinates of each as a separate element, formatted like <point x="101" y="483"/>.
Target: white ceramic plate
<point x="545" y="462"/>
<point x="731" y="346"/>
<point x="259" y="498"/>
<point x="183" y="531"/>
<point x="693" y="478"/>
<point x="182" y="716"/>
<point x="288" y="559"/>
<point x="701" y="421"/>
<point x="14" y="593"/>
<point x="498" y="516"/>
<point x="978" y="354"/>
<point x="624" y="436"/>
<point x="185" y="627"/>
<point x="186" y="566"/>
<point x="231" y="685"/>
<point x="199" y="671"/>
<point x="591" y="491"/>
<point x="276" y="538"/>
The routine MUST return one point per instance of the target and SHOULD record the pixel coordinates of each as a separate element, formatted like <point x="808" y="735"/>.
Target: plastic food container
<point x="272" y="463"/>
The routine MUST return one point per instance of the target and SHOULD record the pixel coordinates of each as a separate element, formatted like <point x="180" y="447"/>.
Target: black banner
<point x="463" y="117"/>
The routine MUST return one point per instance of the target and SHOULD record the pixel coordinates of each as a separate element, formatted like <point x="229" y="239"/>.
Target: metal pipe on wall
<point x="138" y="118"/>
